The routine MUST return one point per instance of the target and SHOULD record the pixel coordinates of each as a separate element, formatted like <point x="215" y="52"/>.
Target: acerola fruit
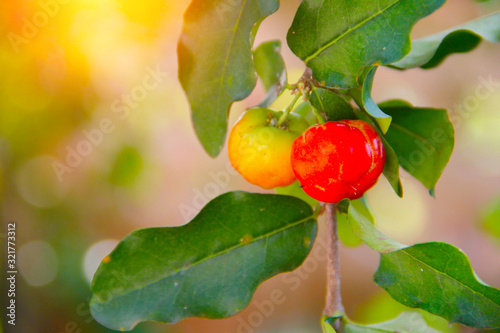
<point x="338" y="160"/>
<point x="260" y="151"/>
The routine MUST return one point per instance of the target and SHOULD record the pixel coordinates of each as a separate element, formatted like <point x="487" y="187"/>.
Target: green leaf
<point x="331" y="104"/>
<point x="437" y="277"/>
<point x="346" y="235"/>
<point x="209" y="267"/>
<point x="382" y="307"/>
<point x="391" y="166"/>
<point x="363" y="97"/>
<point x="343" y="206"/>
<point x="271" y="70"/>
<point x="215" y="61"/>
<point x="422" y="139"/>
<point x="327" y="328"/>
<point x="366" y="230"/>
<point x="337" y="39"/>
<point x="305" y="110"/>
<point x="328" y="322"/>
<point x="406" y="322"/>
<point x="430" y="51"/>
<point x="296" y="190"/>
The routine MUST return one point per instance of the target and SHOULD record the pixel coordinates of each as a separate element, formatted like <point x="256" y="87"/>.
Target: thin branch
<point x="333" y="297"/>
<point x="288" y="110"/>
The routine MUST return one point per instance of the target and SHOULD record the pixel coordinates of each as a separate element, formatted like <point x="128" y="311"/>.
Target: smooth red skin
<point x="338" y="160"/>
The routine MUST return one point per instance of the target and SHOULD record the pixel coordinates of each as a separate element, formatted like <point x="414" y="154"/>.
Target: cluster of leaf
<point x="211" y="266"/>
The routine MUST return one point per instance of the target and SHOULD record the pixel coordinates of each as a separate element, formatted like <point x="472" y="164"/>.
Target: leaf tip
<point x="384" y="123"/>
<point x="399" y="192"/>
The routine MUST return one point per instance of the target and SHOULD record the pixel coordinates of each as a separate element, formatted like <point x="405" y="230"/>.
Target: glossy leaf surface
<point x="430" y="51"/>
<point x="363" y="97"/>
<point x="331" y="104"/>
<point x="346" y="235"/>
<point x="437" y="277"/>
<point x="364" y="228"/>
<point x="209" y="267"/>
<point x="337" y="39"/>
<point x="422" y="138"/>
<point x="215" y="61"/>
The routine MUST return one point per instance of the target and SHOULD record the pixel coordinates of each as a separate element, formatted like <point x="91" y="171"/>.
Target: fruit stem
<point x="288" y="110"/>
<point x="319" y="116"/>
<point x="333" y="298"/>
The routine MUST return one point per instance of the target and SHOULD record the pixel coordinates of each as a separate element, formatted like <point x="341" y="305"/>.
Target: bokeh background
<point x="99" y="77"/>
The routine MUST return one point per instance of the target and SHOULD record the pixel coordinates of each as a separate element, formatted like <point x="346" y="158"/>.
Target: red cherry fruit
<point x="337" y="160"/>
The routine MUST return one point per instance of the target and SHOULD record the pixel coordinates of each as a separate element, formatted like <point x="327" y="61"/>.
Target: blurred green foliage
<point x="127" y="167"/>
<point x="490" y="219"/>
<point x="381" y="307"/>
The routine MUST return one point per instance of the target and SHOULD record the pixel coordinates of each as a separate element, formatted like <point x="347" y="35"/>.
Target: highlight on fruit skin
<point x="260" y="151"/>
<point x="338" y="160"/>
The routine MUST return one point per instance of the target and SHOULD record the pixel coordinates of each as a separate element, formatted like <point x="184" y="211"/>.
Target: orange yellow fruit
<point x="260" y="151"/>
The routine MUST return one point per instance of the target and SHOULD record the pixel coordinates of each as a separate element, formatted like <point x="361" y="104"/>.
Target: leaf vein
<point x="348" y="31"/>
<point x="410" y="133"/>
<point x="222" y="252"/>
<point x="228" y="52"/>
<point x="452" y="278"/>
